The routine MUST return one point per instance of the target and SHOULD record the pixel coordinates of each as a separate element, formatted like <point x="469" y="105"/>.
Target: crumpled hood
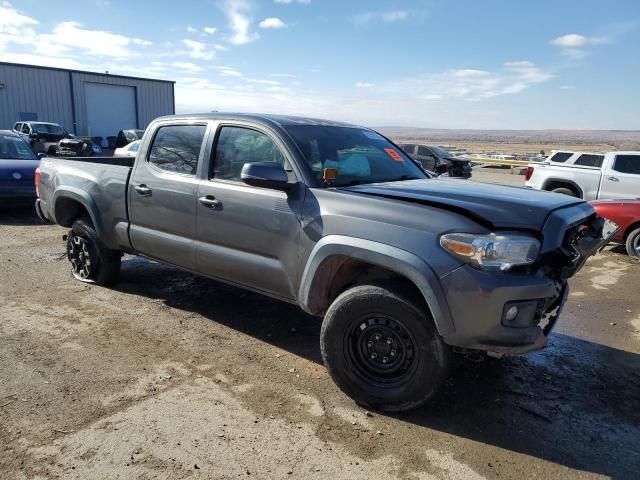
<point x="499" y="205"/>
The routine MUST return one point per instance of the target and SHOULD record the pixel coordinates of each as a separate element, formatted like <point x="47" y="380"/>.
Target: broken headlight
<point x="493" y="251"/>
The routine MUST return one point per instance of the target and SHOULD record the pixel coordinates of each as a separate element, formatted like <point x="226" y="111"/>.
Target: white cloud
<point x="198" y="50"/>
<point x="364" y="85"/>
<point x="573" y="45"/>
<point x="237" y="12"/>
<point x="385" y="17"/>
<point x="289" y="2"/>
<point x="469" y="72"/>
<point x="209" y="30"/>
<point x="567" y="87"/>
<point x="188" y="66"/>
<point x="226" y="71"/>
<point x="272" y="22"/>
<point x="282" y="75"/>
<point x="11" y="19"/>
<point x="222" y="48"/>
<point x="572" y="40"/>
<point x="190" y="29"/>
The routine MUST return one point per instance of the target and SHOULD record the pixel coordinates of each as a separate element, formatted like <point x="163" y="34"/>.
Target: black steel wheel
<point x="91" y="261"/>
<point x="382" y="350"/>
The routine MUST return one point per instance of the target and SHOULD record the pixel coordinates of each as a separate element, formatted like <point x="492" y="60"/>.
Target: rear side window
<point x="25" y="128"/>
<point x="408" y="148"/>
<point x="17" y="127"/>
<point x="176" y="148"/>
<point x="589" y="160"/>
<point x="560" y="157"/>
<point x="237" y="146"/>
<point x="424" y="151"/>
<point x="627" y="164"/>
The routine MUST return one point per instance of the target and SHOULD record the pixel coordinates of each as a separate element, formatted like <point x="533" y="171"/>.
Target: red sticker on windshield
<point x="393" y="154"/>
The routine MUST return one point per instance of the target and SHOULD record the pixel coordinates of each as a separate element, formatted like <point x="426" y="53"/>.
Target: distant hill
<point x="619" y="139"/>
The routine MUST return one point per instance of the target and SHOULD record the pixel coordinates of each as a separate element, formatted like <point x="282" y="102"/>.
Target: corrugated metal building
<point x="85" y="103"/>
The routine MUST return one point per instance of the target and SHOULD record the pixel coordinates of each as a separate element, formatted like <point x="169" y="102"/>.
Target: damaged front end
<point x="575" y="242"/>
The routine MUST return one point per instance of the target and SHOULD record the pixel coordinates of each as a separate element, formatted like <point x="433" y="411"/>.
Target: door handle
<point x="210" y="201"/>
<point x="613" y="179"/>
<point x="143" y="190"/>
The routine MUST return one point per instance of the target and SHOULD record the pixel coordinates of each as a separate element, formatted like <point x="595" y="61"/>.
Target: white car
<point x="130" y="150"/>
<point x="590" y="176"/>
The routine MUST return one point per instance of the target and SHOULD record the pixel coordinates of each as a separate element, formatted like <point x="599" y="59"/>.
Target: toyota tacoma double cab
<point x="403" y="267"/>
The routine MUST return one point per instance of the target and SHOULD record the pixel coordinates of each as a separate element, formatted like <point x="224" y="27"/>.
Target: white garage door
<point x="110" y="108"/>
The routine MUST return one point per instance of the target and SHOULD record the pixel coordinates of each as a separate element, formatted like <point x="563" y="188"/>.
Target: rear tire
<point x="633" y="243"/>
<point x="565" y="191"/>
<point x="91" y="261"/>
<point x="382" y="350"/>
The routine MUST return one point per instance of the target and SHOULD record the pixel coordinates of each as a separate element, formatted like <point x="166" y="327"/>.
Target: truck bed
<point x="99" y="183"/>
<point x="121" y="161"/>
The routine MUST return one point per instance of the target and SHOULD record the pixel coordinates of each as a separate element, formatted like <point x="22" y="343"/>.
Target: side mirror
<point x="265" y="175"/>
<point x="33" y="136"/>
<point x="41" y="155"/>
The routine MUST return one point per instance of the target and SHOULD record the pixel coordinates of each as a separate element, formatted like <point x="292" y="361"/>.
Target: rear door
<point x="162" y="193"/>
<point x="248" y="235"/>
<point x="621" y="178"/>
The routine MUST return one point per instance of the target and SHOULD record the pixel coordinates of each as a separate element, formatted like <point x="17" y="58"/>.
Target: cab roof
<point x="279" y="120"/>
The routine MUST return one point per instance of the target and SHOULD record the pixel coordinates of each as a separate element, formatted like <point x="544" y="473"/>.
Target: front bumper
<point x="478" y="301"/>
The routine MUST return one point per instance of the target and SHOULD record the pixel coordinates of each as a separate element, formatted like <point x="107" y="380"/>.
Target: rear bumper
<point x="40" y="212"/>
<point x="479" y="300"/>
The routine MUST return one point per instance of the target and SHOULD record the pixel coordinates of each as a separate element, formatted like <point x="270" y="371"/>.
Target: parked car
<point x="129" y="150"/>
<point x="626" y="214"/>
<point x="590" y="176"/>
<point x="336" y="219"/>
<point x="78" y="146"/>
<point x="125" y="137"/>
<point x="42" y="136"/>
<point x="18" y="164"/>
<point x="435" y="159"/>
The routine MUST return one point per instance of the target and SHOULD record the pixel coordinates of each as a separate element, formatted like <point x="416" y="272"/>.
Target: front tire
<point x="91" y="261"/>
<point x="633" y="243"/>
<point x="382" y="350"/>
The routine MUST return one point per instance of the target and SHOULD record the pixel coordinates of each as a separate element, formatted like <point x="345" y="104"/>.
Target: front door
<point x="248" y="235"/>
<point x="162" y="195"/>
<point x="622" y="178"/>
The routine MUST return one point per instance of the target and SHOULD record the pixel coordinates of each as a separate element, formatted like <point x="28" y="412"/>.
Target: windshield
<point x="46" y="128"/>
<point x="441" y="152"/>
<point x="359" y="155"/>
<point x="15" y="148"/>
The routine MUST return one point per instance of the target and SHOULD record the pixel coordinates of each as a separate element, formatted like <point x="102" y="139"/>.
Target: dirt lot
<point x="172" y="376"/>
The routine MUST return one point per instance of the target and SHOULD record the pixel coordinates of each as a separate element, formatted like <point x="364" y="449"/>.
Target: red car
<point x="626" y="213"/>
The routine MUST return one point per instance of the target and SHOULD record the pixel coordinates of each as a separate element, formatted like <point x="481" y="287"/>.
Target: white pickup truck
<point x="590" y="176"/>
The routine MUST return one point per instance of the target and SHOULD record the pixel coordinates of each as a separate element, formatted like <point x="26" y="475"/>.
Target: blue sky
<point x="434" y="63"/>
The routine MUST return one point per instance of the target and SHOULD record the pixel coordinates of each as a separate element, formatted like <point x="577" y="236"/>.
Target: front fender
<point x="391" y="258"/>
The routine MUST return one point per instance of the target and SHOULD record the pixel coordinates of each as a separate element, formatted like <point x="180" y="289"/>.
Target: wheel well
<point x="339" y="273"/>
<point x="68" y="210"/>
<point x="630" y="229"/>
<point x="553" y="184"/>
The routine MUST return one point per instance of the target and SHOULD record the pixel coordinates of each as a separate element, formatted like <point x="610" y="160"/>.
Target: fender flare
<point x="83" y="199"/>
<point x="563" y="180"/>
<point x="391" y="258"/>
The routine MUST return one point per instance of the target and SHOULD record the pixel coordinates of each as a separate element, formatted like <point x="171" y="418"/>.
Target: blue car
<point x="18" y="164"/>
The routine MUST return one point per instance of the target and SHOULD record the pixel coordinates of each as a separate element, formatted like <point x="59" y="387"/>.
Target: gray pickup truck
<point x="404" y="268"/>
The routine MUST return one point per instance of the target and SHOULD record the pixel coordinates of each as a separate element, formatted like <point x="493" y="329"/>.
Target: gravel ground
<point x="171" y="376"/>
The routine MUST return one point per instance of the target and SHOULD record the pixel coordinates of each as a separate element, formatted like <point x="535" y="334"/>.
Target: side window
<point x="424" y="151"/>
<point x="589" y="160"/>
<point x="237" y="146"/>
<point x="17" y="127"/>
<point x="560" y="157"/>
<point x="408" y="148"/>
<point x="627" y="164"/>
<point x="25" y="128"/>
<point x="176" y="148"/>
